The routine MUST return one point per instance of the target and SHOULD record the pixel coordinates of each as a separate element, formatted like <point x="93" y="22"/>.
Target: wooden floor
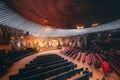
<point x="97" y="73"/>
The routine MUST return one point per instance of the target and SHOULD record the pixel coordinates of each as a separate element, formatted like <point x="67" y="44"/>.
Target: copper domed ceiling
<point x="67" y="14"/>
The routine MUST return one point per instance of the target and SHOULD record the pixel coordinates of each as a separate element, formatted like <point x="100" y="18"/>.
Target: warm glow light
<point x="22" y="37"/>
<point x="18" y="44"/>
<point x="82" y="27"/>
<point x="109" y="34"/>
<point x="79" y="27"/>
<point x="95" y="24"/>
<point x="45" y="21"/>
<point x="49" y="26"/>
<point x="12" y="38"/>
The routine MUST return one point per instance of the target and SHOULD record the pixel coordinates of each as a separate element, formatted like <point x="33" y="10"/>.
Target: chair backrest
<point x="85" y="76"/>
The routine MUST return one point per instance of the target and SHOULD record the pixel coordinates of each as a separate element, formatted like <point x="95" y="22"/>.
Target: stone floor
<point x="97" y="73"/>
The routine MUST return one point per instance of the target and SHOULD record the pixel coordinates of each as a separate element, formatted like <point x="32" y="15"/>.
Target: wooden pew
<point x="85" y="76"/>
<point x="39" y="70"/>
<point x="114" y="67"/>
<point x="67" y="75"/>
<point x="49" y="74"/>
<point x="99" y="57"/>
<point x="89" y="59"/>
<point x="44" y="61"/>
<point x="83" y="57"/>
<point x="44" y="58"/>
<point x="71" y="55"/>
<point x="94" y="59"/>
<point x="39" y="65"/>
<point x="79" y="57"/>
<point x="43" y="64"/>
<point x="75" y="55"/>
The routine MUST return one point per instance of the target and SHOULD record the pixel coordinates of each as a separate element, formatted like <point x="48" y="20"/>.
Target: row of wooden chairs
<point x="95" y="58"/>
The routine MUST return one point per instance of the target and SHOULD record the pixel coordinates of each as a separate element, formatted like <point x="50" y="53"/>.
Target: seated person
<point x="85" y="71"/>
<point x="103" y="78"/>
<point x="97" y="64"/>
<point x="106" y="68"/>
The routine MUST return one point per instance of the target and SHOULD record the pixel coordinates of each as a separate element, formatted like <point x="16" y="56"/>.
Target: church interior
<point x="59" y="40"/>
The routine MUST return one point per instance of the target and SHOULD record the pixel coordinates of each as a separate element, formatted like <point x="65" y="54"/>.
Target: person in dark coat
<point x="97" y="64"/>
